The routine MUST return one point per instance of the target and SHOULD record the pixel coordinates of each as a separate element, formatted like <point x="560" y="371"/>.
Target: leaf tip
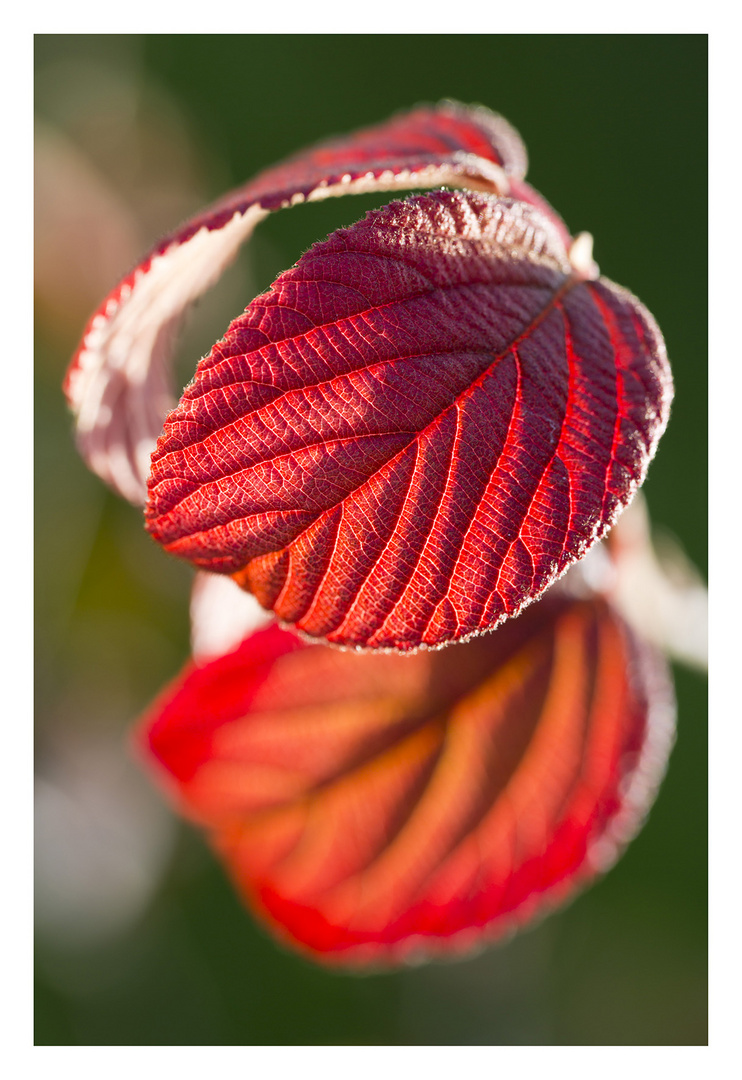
<point x="581" y="257"/>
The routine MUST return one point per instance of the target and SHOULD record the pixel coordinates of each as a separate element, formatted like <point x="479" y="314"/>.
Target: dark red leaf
<point x="118" y="383"/>
<point x="372" y="807"/>
<point x="421" y="425"/>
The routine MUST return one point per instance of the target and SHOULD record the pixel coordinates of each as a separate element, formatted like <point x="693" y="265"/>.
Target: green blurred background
<point x="140" y="940"/>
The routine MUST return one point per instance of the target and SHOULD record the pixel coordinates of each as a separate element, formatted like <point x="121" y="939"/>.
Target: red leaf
<point x="373" y="806"/>
<point x="118" y="383"/>
<point x="421" y="425"/>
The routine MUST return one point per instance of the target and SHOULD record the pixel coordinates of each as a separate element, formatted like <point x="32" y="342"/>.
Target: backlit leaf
<point x="420" y="426"/>
<point x="375" y="807"/>
<point x="118" y="383"/>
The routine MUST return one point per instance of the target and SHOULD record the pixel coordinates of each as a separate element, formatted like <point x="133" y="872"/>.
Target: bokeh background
<point x="140" y="939"/>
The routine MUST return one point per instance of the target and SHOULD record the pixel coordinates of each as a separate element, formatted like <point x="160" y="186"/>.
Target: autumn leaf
<point x="373" y="807"/>
<point x="418" y="429"/>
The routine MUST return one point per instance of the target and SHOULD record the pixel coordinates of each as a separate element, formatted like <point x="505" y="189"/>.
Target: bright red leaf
<point x="373" y="807"/>
<point x="420" y="426"/>
<point x="118" y="384"/>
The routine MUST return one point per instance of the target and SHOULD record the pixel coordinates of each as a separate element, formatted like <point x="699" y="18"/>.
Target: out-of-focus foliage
<point x="140" y="937"/>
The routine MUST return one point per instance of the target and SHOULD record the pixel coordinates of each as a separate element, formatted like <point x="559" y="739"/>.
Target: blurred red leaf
<point x="372" y="807"/>
<point x="420" y="426"/>
<point x="118" y="383"/>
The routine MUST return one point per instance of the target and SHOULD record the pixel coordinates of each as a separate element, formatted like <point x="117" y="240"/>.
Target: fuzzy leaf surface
<point x="418" y="429"/>
<point x="374" y="807"/>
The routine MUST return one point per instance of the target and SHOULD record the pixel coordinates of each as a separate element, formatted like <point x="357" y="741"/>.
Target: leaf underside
<point x="417" y="429"/>
<point x="375" y="807"/>
<point x="118" y="383"/>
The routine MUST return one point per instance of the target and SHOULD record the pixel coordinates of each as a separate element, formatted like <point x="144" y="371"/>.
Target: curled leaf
<point x="373" y="807"/>
<point x="418" y="429"/>
<point x="118" y="383"/>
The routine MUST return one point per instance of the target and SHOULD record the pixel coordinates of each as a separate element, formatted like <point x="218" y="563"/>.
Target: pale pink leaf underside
<point x="119" y="381"/>
<point x="222" y="614"/>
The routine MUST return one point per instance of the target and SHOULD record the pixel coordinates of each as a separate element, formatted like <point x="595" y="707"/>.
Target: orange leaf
<point x="371" y="807"/>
